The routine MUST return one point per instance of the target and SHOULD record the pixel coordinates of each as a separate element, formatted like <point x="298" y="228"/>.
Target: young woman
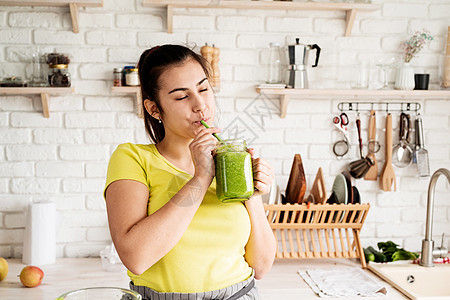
<point x="169" y="228"/>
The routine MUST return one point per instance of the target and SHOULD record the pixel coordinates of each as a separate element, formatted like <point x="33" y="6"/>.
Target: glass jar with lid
<point x="132" y="77"/>
<point x="234" y="175"/>
<point x="117" y="76"/>
<point x="59" y="76"/>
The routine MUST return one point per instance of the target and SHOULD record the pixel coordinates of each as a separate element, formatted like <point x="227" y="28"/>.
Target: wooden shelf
<point x="136" y="90"/>
<point x="285" y="94"/>
<point x="45" y="93"/>
<point x="72" y="4"/>
<point x="350" y="8"/>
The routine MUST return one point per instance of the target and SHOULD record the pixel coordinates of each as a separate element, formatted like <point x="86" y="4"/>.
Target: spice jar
<point x="234" y="175"/>
<point x="132" y="77"/>
<point x="117" y="77"/>
<point x="124" y="73"/>
<point x="59" y="76"/>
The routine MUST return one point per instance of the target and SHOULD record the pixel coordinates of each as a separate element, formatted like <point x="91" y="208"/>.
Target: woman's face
<point x="186" y="98"/>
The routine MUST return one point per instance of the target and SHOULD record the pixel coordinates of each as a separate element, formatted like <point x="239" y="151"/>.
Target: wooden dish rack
<point x="318" y="230"/>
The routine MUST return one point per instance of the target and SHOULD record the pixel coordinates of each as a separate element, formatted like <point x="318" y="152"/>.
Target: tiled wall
<point x="64" y="158"/>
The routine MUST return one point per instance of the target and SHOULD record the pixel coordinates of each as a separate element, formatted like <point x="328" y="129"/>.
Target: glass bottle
<point x="234" y="175"/>
<point x="37" y="75"/>
<point x="274" y="63"/>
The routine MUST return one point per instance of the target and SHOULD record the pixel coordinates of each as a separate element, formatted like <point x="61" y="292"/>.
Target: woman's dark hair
<point x="152" y="63"/>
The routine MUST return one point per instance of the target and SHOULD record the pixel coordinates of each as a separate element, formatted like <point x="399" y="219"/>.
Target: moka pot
<point x="298" y="58"/>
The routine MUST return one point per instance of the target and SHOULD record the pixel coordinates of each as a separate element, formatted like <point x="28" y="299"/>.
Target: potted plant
<point x="410" y="48"/>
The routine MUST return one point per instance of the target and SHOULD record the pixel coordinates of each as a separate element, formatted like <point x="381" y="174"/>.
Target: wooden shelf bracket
<point x="74" y="16"/>
<point x="349" y="20"/>
<point x="284" y="100"/>
<point x="169" y="17"/>
<point x="136" y="90"/>
<point x="44" y="99"/>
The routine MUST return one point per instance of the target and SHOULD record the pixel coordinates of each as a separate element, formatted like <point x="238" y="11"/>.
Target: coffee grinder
<point x="298" y="59"/>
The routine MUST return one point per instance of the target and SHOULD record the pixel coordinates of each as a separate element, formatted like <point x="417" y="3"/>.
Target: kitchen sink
<point x="415" y="281"/>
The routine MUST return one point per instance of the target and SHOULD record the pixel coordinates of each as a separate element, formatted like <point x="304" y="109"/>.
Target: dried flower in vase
<point x="413" y="46"/>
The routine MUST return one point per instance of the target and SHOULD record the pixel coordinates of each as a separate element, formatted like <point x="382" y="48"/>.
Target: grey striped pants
<point x="222" y="294"/>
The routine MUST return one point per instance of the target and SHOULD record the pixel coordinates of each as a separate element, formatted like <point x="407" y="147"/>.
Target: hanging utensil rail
<point x="380" y="106"/>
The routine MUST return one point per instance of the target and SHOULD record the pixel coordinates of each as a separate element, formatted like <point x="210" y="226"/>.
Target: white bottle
<point x="274" y="63"/>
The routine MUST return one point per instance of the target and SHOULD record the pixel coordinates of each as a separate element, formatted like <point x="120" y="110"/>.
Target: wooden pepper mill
<point x="211" y="54"/>
<point x="446" y="75"/>
<point x="215" y="67"/>
<point x="207" y="53"/>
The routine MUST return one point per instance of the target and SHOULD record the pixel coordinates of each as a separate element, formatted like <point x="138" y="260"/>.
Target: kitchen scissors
<point x="341" y="122"/>
<point x="341" y="147"/>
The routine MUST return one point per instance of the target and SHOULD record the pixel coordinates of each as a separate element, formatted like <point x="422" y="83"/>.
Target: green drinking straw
<point x="214" y="134"/>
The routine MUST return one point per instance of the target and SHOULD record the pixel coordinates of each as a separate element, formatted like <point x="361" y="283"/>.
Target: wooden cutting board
<point x="318" y="189"/>
<point x="296" y="187"/>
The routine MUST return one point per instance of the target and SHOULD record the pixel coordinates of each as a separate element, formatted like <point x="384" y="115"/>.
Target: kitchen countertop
<point x="281" y="283"/>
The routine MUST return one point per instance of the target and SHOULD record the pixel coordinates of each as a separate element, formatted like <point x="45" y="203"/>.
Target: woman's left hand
<point x="262" y="174"/>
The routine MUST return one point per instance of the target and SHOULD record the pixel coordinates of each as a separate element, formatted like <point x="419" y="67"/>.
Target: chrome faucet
<point x="428" y="251"/>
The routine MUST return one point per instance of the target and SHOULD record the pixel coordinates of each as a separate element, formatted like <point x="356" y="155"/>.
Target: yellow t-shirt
<point x="210" y="254"/>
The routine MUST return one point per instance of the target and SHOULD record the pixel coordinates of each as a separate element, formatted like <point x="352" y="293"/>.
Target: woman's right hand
<point x="202" y="148"/>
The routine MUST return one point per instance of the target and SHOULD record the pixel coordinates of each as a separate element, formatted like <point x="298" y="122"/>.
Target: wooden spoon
<point x="372" y="174"/>
<point x="387" y="176"/>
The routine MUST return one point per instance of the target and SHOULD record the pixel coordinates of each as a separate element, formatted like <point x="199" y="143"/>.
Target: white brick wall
<point x="64" y="158"/>
<point x="53" y="37"/>
<point x="15" y="36"/>
<point x="34" y="19"/>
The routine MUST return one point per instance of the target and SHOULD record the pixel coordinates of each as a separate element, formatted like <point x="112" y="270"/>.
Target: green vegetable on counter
<point x="388" y="248"/>
<point x="369" y="255"/>
<point x="389" y="251"/>
<point x="379" y="256"/>
<point x="402" y="254"/>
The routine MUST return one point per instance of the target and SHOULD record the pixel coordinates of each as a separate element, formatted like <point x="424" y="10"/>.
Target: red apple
<point x="31" y="276"/>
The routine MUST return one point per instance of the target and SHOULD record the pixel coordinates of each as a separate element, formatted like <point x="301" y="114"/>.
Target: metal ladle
<point x="402" y="153"/>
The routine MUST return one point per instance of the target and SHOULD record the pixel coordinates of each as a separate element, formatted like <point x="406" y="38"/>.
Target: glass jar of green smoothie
<point x="234" y="175"/>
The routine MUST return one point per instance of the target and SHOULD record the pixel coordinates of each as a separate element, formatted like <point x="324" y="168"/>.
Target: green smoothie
<point x="234" y="175"/>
